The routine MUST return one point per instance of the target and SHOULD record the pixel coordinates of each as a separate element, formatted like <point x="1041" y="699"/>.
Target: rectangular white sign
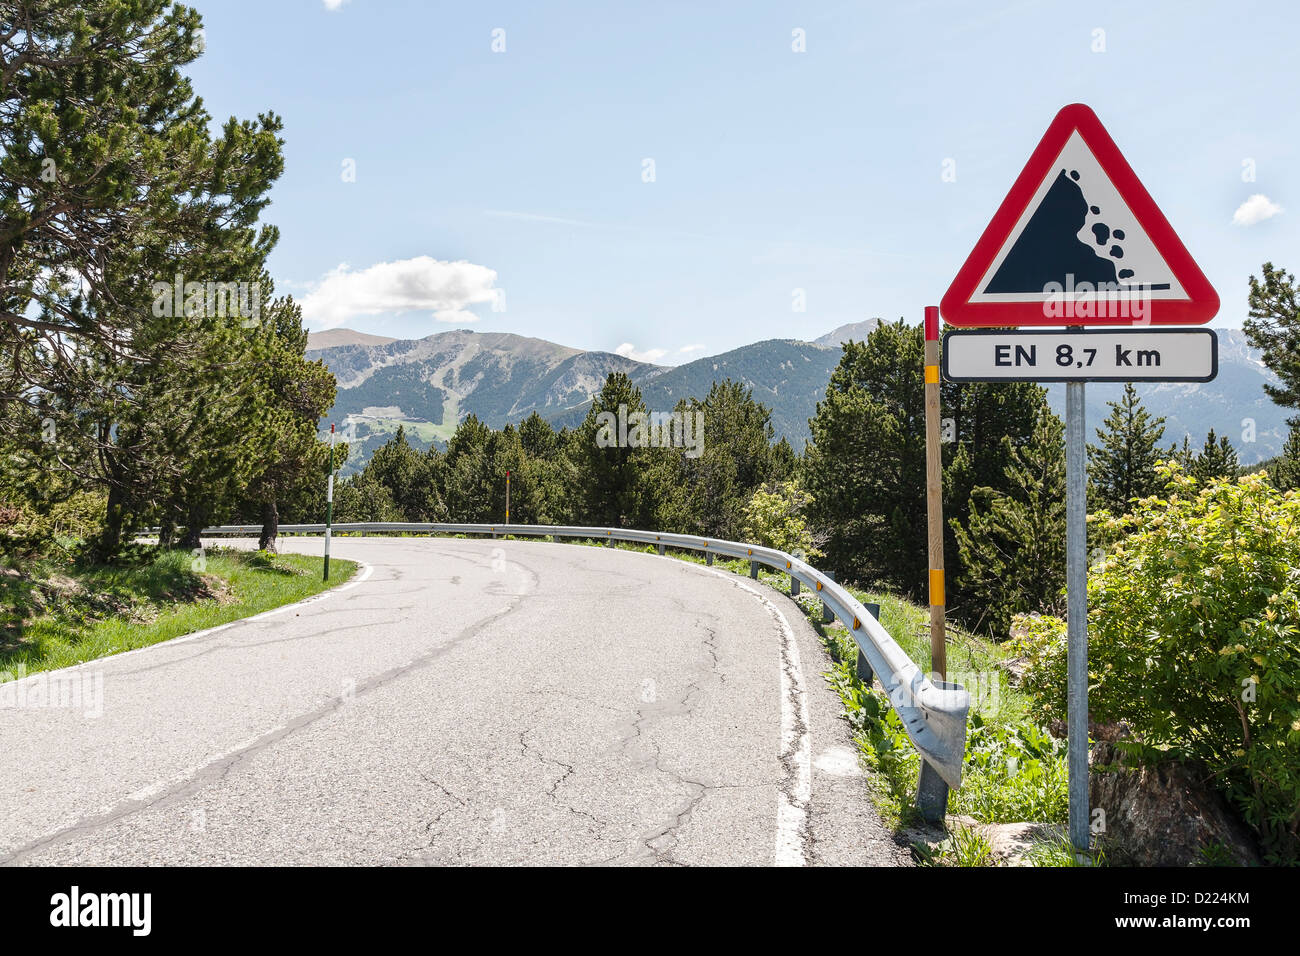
<point x="1082" y="355"/>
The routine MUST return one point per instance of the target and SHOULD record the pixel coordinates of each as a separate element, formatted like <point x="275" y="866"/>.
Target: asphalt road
<point x="460" y="702"/>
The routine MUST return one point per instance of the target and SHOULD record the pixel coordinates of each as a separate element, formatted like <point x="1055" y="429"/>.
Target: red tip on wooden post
<point x="932" y="323"/>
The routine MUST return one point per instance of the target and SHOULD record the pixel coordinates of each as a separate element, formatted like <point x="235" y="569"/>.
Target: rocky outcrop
<point x="1165" y="814"/>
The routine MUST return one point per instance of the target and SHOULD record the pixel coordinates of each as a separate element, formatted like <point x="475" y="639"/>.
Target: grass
<point x="1060" y="852"/>
<point x="965" y="846"/>
<point x="53" y="616"/>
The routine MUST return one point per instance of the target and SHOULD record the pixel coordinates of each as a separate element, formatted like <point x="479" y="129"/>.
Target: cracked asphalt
<point x="469" y="702"/>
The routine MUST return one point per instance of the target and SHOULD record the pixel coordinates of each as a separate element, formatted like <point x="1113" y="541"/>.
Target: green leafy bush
<point x="775" y="517"/>
<point x="1014" y="771"/>
<point x="1040" y="641"/>
<point x="1194" y="642"/>
<point x="879" y="733"/>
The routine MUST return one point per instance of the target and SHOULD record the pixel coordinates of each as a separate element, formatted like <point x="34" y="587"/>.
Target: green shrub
<point x="1041" y="642"/>
<point x="1014" y="771"/>
<point x="775" y="517"/>
<point x="28" y="529"/>
<point x="1194" y="643"/>
<point x="878" y="732"/>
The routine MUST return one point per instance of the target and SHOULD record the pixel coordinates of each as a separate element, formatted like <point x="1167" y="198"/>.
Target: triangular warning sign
<point x="1078" y="241"/>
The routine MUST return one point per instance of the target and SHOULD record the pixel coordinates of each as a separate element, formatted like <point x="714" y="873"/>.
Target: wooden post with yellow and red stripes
<point x="934" y="493"/>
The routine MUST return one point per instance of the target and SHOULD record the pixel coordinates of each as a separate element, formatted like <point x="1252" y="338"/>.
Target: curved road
<point x="460" y="702"/>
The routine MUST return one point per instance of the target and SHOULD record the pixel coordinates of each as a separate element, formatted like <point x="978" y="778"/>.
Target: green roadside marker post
<point x="329" y="506"/>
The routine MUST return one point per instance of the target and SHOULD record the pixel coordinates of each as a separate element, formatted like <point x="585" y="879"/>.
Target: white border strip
<point x="792" y="802"/>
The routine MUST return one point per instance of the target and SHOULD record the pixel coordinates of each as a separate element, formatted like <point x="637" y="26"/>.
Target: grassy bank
<point x="53" y="615"/>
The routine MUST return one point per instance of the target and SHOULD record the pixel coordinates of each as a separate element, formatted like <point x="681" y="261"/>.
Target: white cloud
<point x="334" y="4"/>
<point x="446" y="289"/>
<point x="687" y="349"/>
<point x="1255" y="209"/>
<point x="628" y="350"/>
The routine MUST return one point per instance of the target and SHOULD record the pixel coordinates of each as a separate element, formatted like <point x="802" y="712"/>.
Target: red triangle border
<point x="1202" y="303"/>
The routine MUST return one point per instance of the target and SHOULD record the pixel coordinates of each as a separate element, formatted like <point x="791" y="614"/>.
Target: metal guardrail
<point x="933" y="712"/>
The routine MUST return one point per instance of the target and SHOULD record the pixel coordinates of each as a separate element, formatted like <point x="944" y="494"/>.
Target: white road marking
<point x="796" y="739"/>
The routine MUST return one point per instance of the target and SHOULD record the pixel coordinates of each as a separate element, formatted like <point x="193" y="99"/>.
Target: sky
<point x="671" y="180"/>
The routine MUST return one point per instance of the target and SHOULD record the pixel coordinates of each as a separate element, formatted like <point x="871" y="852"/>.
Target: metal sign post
<point x="1076" y="585"/>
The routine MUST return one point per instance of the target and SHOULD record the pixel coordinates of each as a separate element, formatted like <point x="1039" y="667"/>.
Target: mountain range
<point x="428" y="385"/>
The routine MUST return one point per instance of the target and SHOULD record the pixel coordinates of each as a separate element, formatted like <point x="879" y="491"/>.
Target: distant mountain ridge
<point x="786" y="375"/>
<point x="854" y="331"/>
<point x="1234" y="404"/>
<point x="429" y="385"/>
<point x="332" y="337"/>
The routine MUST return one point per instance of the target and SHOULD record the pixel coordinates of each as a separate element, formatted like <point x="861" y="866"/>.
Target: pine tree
<point x="785" y="463"/>
<point x="1012" y="547"/>
<point x="399" y="468"/>
<point x="98" y="136"/>
<point x="1123" y="466"/>
<point x="300" y="393"/>
<point x="865" y="465"/>
<point x="707" y="490"/>
<point x="468" y="483"/>
<point x="1284" y="472"/>
<point x="114" y="181"/>
<point x="1216" y="461"/>
<point x="363" y="499"/>
<point x="611" y="474"/>
<point x="1273" y="327"/>
<point x="537" y="437"/>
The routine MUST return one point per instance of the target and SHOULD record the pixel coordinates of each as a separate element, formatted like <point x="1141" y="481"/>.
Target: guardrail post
<point x="708" y="558"/>
<point x="753" y="570"/>
<point x="864" y="669"/>
<point x="827" y="614"/>
<point x="931" y="795"/>
<point x="661" y="549"/>
<point x="794" y="585"/>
